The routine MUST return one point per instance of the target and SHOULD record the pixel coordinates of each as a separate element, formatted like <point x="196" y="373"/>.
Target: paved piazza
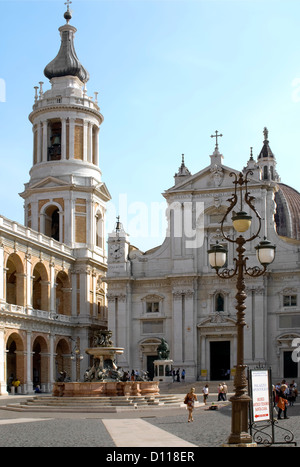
<point x="140" y="428"/>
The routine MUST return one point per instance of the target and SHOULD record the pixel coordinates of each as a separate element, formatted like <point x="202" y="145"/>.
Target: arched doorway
<point x="40" y="362"/>
<point x="62" y="359"/>
<point x="15" y="358"/>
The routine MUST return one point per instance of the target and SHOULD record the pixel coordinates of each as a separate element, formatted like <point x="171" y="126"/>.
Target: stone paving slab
<point x="139" y="433"/>
<point x="209" y="429"/>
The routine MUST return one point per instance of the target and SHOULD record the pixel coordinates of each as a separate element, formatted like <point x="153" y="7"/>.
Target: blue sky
<point x="169" y="73"/>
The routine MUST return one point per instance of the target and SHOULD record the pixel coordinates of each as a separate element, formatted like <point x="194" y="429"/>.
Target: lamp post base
<point x="239" y="429"/>
<point x="240" y="445"/>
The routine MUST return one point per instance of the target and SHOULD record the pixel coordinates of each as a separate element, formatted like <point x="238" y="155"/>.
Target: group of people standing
<point x="177" y="375"/>
<point x="284" y="395"/>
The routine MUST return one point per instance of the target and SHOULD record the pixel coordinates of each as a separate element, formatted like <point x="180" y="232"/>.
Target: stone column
<point x="177" y="327"/>
<point x="188" y="335"/>
<point x="84" y="292"/>
<point x="39" y="143"/>
<point x="74" y="292"/>
<point x="45" y="141"/>
<point x="63" y="138"/>
<point x="96" y="147"/>
<point x="3" y="376"/>
<point x="52" y="287"/>
<point x="112" y="315"/>
<point x="94" y="276"/>
<point x="29" y="382"/>
<point x="51" y="364"/>
<point x="28" y="282"/>
<point x="2" y="274"/>
<point x="85" y="140"/>
<point x="90" y="144"/>
<point x="71" y="137"/>
<point x="122" y="330"/>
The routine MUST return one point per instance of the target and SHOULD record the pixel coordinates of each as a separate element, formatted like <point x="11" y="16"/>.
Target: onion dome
<point x="66" y="63"/>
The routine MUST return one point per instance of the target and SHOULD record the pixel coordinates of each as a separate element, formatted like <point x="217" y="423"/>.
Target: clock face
<point x="116" y="250"/>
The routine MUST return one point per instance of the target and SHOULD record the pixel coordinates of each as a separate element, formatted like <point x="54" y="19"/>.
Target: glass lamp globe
<point x="265" y="252"/>
<point x="217" y="256"/>
<point x="241" y="221"/>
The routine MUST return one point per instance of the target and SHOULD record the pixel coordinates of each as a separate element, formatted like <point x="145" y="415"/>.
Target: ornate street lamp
<point x="77" y="356"/>
<point x="217" y="256"/>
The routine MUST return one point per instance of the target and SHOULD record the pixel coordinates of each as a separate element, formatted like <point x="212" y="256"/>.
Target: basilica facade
<point x="171" y="292"/>
<point x="52" y="296"/>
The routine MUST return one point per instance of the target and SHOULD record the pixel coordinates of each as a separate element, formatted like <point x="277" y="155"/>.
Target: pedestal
<point x="163" y="370"/>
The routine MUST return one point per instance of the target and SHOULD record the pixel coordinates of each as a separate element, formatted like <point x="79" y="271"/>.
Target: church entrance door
<point x="150" y="365"/>
<point x="219" y="360"/>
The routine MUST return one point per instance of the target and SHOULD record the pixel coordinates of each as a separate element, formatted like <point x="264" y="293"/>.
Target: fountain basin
<point x="105" y="388"/>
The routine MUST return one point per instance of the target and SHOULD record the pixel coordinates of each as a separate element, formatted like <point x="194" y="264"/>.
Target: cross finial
<point x="68" y="2"/>
<point x="216" y="135"/>
<point x="68" y="14"/>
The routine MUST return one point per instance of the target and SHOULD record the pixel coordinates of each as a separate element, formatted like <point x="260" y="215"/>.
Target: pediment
<point x="103" y="190"/>
<point x="49" y="182"/>
<point x="211" y="177"/>
<point x="216" y="319"/>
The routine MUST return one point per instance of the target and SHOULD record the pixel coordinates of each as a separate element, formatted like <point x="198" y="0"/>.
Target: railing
<point x="27" y="233"/>
<point x="33" y="313"/>
<point x="72" y="100"/>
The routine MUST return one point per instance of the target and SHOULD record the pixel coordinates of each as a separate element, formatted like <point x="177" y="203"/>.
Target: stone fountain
<point x="104" y="377"/>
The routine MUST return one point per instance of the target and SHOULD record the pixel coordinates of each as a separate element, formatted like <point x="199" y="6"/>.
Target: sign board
<point x="261" y="395"/>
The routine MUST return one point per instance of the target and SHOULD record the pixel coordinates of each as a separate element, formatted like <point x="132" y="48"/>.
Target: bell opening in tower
<point x="54" y="149"/>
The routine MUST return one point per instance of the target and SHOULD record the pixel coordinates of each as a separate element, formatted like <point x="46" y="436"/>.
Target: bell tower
<point x="65" y="197"/>
<point x="266" y="160"/>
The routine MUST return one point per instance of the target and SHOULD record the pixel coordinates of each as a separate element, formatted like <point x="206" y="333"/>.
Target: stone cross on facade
<point x="216" y="135"/>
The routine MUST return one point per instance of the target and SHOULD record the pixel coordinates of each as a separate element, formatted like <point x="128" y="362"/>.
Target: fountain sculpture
<point x="104" y="377"/>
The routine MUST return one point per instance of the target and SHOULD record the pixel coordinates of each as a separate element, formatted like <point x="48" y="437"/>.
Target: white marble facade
<point x="171" y="292"/>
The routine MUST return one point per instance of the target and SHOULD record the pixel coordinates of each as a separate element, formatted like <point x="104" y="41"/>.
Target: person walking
<point x="205" y="392"/>
<point x="220" y="393"/>
<point x="282" y="402"/>
<point x="225" y="390"/>
<point x="189" y="400"/>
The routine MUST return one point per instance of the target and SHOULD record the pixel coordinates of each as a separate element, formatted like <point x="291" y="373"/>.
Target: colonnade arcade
<point x="36" y="358"/>
<point x="37" y="285"/>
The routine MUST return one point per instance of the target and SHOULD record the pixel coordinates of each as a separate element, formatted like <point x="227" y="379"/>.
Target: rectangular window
<point x="290" y="300"/>
<point x="152" y="307"/>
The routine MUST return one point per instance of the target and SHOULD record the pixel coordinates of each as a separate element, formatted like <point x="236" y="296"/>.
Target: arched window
<point x="99" y="230"/>
<point x="15" y="282"/>
<point x="63" y="294"/>
<point x="52" y="222"/>
<point x="40" y="288"/>
<point x="265" y="174"/>
<point x="219" y="302"/>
